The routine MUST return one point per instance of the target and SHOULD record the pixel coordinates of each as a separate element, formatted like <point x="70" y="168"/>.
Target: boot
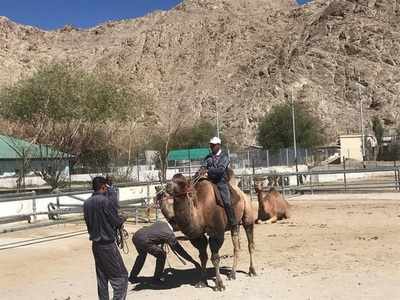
<point x="160" y="263"/>
<point x="230" y="213"/>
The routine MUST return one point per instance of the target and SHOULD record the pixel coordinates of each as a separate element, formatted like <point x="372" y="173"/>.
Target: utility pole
<point x="294" y="140"/>
<point x="216" y="108"/>
<point x="362" y="124"/>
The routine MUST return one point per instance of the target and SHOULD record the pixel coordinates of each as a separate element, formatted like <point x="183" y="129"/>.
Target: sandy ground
<point x="329" y="249"/>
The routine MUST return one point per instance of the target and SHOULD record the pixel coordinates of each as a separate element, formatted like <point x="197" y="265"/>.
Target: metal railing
<point x="341" y="181"/>
<point x="56" y="209"/>
<point x="309" y="182"/>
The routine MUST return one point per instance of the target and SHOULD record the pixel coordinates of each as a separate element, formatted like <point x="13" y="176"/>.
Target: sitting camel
<point x="271" y="205"/>
<point x="197" y="212"/>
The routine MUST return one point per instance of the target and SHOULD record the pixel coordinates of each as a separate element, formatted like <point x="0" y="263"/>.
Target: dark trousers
<point x="143" y="247"/>
<point x="110" y="268"/>
<point x="226" y="198"/>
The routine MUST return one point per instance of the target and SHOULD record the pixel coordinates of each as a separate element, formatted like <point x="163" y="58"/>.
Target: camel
<point x="165" y="202"/>
<point x="197" y="213"/>
<point x="271" y="205"/>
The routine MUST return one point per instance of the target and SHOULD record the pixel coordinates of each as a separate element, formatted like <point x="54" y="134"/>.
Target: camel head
<point x="179" y="186"/>
<point x="258" y="186"/>
<point x="165" y="201"/>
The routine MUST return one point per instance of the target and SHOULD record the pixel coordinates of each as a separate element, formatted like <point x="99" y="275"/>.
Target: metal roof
<point x="188" y="154"/>
<point x="13" y="148"/>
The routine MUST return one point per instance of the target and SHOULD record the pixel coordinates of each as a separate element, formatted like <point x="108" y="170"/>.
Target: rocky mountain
<point x="237" y="56"/>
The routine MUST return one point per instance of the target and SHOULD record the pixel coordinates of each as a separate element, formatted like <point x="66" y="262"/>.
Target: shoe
<point x="133" y="280"/>
<point x="157" y="282"/>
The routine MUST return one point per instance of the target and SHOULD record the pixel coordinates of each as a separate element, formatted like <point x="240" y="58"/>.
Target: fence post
<point x="34" y="209"/>
<point x="344" y="174"/>
<point x="137" y="167"/>
<point x="311" y="183"/>
<point x="306" y="156"/>
<point x="283" y="186"/>
<point x="58" y="200"/>
<point x="395" y="175"/>
<point x="190" y="165"/>
<point x="251" y="186"/>
<point x="267" y="158"/>
<point x="287" y="156"/>
<point x="398" y="179"/>
<point x="136" y="216"/>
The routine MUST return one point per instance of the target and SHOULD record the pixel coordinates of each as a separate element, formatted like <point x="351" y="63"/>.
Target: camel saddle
<point x="235" y="197"/>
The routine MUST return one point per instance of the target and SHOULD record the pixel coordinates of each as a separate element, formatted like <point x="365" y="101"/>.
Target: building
<point x="351" y="147"/>
<point x="19" y="157"/>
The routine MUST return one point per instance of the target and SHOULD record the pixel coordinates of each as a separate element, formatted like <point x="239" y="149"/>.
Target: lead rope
<point x="168" y="249"/>
<point x="122" y="237"/>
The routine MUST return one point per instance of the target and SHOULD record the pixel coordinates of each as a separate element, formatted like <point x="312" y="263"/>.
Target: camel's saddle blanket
<point x="235" y="197"/>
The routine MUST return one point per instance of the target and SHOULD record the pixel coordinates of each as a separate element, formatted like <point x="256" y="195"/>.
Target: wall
<point x="351" y="147"/>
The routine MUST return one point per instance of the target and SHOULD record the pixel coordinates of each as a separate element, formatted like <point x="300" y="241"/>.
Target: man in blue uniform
<point x="215" y="167"/>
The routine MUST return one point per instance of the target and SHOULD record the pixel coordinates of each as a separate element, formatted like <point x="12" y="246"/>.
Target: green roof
<point x="188" y="154"/>
<point x="13" y="148"/>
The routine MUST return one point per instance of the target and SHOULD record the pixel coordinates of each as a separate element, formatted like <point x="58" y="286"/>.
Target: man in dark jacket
<point x="150" y="239"/>
<point x="102" y="221"/>
<point x="215" y="167"/>
<point x="112" y="192"/>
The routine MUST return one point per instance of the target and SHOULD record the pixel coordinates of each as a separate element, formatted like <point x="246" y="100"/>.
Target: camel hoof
<point x="201" y="285"/>
<point x="232" y="275"/>
<point x="219" y="288"/>
<point x="252" y="272"/>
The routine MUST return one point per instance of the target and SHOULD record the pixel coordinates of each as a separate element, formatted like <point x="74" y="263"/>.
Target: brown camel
<point x="165" y="202"/>
<point x="197" y="213"/>
<point x="271" y="205"/>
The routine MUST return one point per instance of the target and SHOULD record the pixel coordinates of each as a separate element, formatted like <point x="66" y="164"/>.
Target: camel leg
<point x="236" y="248"/>
<point x="249" y="228"/>
<point x="272" y="220"/>
<point x="215" y="245"/>
<point x="201" y="245"/>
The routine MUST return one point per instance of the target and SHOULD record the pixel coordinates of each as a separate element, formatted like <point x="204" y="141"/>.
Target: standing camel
<point x="197" y="213"/>
<point x="271" y="205"/>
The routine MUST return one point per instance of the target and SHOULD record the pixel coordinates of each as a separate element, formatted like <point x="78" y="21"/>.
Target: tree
<point x="275" y="130"/>
<point x="187" y="137"/>
<point x="62" y="107"/>
<point x="196" y="136"/>
<point x="378" y="130"/>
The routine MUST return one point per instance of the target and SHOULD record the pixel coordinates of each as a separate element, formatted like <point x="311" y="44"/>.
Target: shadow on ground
<point x="176" y="278"/>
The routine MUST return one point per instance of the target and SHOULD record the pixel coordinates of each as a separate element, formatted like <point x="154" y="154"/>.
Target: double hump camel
<point x="271" y="205"/>
<point x="197" y="214"/>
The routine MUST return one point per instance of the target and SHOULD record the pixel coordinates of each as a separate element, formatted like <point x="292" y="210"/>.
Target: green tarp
<point x="13" y="148"/>
<point x="188" y="154"/>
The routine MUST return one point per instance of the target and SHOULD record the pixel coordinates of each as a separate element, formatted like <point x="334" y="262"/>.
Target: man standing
<point x="102" y="221"/>
<point x="215" y="167"/>
<point x="150" y="239"/>
<point x="112" y="192"/>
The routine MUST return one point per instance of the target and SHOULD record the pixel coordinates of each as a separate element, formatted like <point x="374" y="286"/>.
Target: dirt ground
<point x="333" y="247"/>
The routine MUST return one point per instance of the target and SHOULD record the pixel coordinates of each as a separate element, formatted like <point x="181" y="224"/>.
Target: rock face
<point x="239" y="56"/>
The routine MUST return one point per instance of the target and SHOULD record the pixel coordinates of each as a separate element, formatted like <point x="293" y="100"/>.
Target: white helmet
<point x="215" y="140"/>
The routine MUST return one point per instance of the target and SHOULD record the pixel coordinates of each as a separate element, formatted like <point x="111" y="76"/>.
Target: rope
<point x="122" y="237"/>
<point x="168" y="249"/>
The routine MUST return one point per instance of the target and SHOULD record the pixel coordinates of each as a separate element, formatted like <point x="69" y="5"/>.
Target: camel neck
<point x="260" y="196"/>
<point x="185" y="215"/>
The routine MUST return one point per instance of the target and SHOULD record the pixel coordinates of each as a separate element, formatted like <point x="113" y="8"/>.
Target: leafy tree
<point x="182" y="137"/>
<point x="275" y="130"/>
<point x="197" y="136"/>
<point x="62" y="107"/>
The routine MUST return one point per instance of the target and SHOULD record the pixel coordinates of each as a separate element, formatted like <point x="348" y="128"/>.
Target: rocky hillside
<point x="239" y="56"/>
